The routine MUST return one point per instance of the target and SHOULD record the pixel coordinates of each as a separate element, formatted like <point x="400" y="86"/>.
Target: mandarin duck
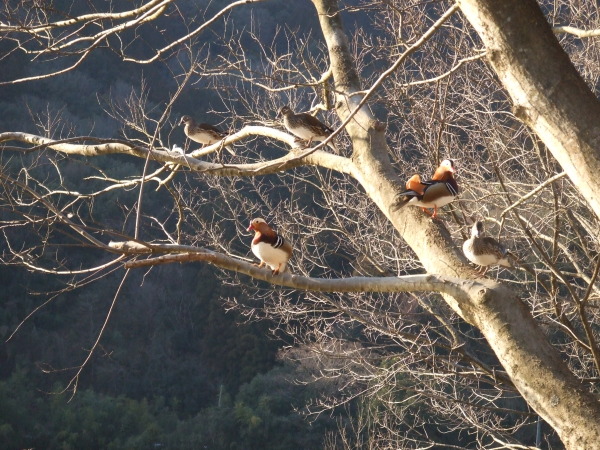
<point x="415" y="184"/>
<point x="435" y="193"/>
<point x="306" y="127"/>
<point x="203" y="133"/>
<point x="485" y="251"/>
<point x="268" y="246"/>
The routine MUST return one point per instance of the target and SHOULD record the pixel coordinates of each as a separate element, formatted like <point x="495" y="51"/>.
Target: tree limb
<point x="295" y="158"/>
<point x="408" y="283"/>
<point x="575" y="31"/>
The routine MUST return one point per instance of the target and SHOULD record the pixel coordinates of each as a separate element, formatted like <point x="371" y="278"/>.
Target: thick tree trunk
<point x="548" y="93"/>
<point x="535" y="367"/>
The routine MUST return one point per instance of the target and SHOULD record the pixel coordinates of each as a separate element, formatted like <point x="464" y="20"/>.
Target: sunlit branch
<point x="83" y="18"/>
<point x="288" y="87"/>
<point x="575" y="31"/>
<point x="508" y="445"/>
<point x="146" y="13"/>
<point x="458" y="65"/>
<point x="145" y="16"/>
<point x="36" y="268"/>
<point x="295" y="158"/>
<point x="60" y="216"/>
<point x="413" y="48"/>
<point x="246" y="132"/>
<point x="408" y="283"/>
<point x="51" y="74"/>
<point x="122" y="184"/>
<point x="533" y="192"/>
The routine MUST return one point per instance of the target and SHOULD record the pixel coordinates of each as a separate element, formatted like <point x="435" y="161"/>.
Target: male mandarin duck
<point x="414" y="184"/>
<point x="268" y="246"/>
<point x="203" y="133"/>
<point x="306" y="127"/>
<point x="485" y="251"/>
<point x="435" y="193"/>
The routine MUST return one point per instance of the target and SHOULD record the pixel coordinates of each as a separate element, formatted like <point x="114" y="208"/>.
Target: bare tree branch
<point x="575" y="31"/>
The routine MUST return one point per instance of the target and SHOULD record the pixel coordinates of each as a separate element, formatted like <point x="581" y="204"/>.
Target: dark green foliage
<point x="174" y="368"/>
<point x="260" y="417"/>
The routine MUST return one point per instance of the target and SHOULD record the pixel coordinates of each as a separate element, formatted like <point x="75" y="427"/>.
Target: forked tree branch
<point x="193" y="33"/>
<point x="34" y="29"/>
<point x="295" y="158"/>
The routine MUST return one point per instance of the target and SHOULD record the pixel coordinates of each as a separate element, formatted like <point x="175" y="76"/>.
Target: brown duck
<point x="435" y="193"/>
<point x="306" y="127"/>
<point x="270" y="247"/>
<point x="203" y="133"/>
<point x="485" y="251"/>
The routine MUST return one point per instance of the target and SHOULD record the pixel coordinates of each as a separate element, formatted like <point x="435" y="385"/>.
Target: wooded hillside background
<point x="181" y="343"/>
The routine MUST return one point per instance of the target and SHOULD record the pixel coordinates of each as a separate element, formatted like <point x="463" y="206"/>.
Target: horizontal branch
<point x="576" y="31"/>
<point x="244" y="133"/>
<point x="184" y="254"/>
<point x="295" y="158"/>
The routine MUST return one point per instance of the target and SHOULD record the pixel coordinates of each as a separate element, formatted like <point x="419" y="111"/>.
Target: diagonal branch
<point x="193" y="33"/>
<point x="83" y="18"/>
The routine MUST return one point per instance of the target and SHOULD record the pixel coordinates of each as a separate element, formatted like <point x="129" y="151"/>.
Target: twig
<point x="533" y="192"/>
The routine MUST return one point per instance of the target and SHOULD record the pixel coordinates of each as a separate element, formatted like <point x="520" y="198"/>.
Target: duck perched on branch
<point x="485" y="251"/>
<point x="269" y="246"/>
<point x="306" y="127"/>
<point x="203" y="133"/>
<point x="435" y="193"/>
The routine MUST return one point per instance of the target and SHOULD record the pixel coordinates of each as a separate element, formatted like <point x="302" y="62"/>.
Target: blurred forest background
<point x="175" y="370"/>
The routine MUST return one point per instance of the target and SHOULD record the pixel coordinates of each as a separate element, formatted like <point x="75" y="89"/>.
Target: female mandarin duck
<point x="435" y="193"/>
<point x="268" y="246"/>
<point x="485" y="251"/>
<point x="203" y="133"/>
<point x="306" y="127"/>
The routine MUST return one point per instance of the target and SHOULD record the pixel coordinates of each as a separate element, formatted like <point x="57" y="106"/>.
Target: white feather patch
<point x="275" y="258"/>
